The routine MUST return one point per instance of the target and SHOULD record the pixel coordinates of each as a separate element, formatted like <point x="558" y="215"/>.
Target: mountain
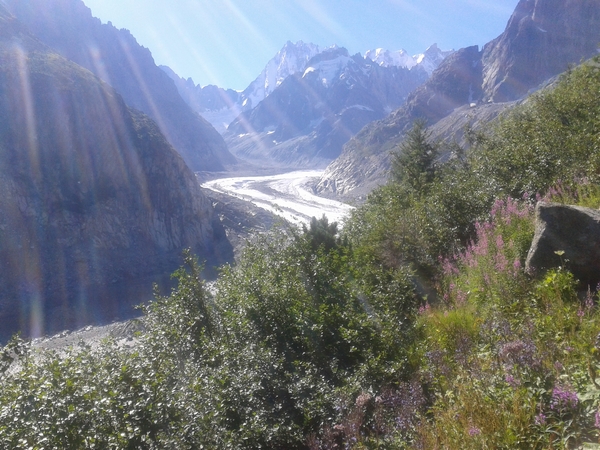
<point x="387" y="58"/>
<point x="541" y="40"/>
<point x="115" y="57"/>
<point x="221" y="106"/>
<point x="292" y="58"/>
<point x="306" y="120"/>
<point x="216" y="105"/>
<point x="429" y="60"/>
<point x="96" y="205"/>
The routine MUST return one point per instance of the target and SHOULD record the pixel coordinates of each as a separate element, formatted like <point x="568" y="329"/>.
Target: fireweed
<point x="490" y="269"/>
<point x="522" y="343"/>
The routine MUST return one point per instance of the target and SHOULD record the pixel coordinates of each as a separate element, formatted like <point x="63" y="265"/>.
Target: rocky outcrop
<point x="114" y="56"/>
<point x="566" y="236"/>
<point x="95" y="204"/>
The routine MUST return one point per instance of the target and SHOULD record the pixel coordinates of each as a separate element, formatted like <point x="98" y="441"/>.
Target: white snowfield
<point x="287" y="195"/>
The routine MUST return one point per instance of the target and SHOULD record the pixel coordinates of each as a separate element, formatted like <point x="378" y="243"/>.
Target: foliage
<point x="414" y="163"/>
<point x="258" y="365"/>
<point x="554" y="137"/>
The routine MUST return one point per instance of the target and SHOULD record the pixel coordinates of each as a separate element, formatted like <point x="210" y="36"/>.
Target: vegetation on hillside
<point x="414" y="327"/>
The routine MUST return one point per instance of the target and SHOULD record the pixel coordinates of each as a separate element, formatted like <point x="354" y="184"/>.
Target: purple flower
<point x="474" y="431"/>
<point x="404" y="404"/>
<point x="512" y="381"/>
<point x="597" y="417"/>
<point x="563" y="399"/>
<point x="520" y="353"/>
<point x="540" y="419"/>
<point x="499" y="242"/>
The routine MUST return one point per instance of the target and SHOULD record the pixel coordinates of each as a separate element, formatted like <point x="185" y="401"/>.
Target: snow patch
<point x="386" y="58"/>
<point x="329" y="70"/>
<point x="360" y="107"/>
<point x="309" y="70"/>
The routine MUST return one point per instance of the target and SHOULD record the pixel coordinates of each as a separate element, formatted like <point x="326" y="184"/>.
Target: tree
<point x="321" y="233"/>
<point x="413" y="164"/>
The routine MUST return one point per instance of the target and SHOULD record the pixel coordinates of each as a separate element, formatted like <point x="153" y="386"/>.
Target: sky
<point x="229" y="42"/>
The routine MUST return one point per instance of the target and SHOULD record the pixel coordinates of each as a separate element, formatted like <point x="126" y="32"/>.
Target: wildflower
<point x="474" y="431"/>
<point x="588" y="303"/>
<point x="461" y="297"/>
<point x="511" y="381"/>
<point x="563" y="399"/>
<point x="516" y="266"/>
<point x="597" y="417"/>
<point x="540" y="419"/>
<point x="405" y="403"/>
<point x="499" y="242"/>
<point x="520" y="353"/>
<point x="501" y="262"/>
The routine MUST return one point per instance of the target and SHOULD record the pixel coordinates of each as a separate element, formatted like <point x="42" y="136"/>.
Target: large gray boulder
<point x="566" y="236"/>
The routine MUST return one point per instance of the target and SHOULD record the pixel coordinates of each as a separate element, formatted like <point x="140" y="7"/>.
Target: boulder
<point x="567" y="236"/>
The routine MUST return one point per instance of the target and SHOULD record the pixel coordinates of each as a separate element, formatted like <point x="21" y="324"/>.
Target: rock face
<point x="114" y="56"/>
<point x="573" y="232"/>
<point x="540" y="41"/>
<point x="95" y="204"/>
<point x="308" y="118"/>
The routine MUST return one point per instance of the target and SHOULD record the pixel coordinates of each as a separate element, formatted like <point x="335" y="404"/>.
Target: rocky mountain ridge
<point x="307" y="119"/>
<point x="540" y="41"/>
<point x="222" y="106"/>
<point x="429" y="60"/>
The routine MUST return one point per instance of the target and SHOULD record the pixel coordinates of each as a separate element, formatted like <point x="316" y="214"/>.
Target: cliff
<point x="95" y="205"/>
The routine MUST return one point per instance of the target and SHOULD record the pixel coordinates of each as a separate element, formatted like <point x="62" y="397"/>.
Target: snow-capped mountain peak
<point x="429" y="60"/>
<point x="432" y="58"/>
<point x="328" y="64"/>
<point x="386" y="58"/>
<point x="290" y="59"/>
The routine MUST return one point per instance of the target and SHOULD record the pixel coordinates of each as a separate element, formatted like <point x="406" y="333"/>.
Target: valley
<point x="357" y="250"/>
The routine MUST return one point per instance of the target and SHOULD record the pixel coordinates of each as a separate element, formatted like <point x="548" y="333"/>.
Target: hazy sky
<point x="228" y="42"/>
